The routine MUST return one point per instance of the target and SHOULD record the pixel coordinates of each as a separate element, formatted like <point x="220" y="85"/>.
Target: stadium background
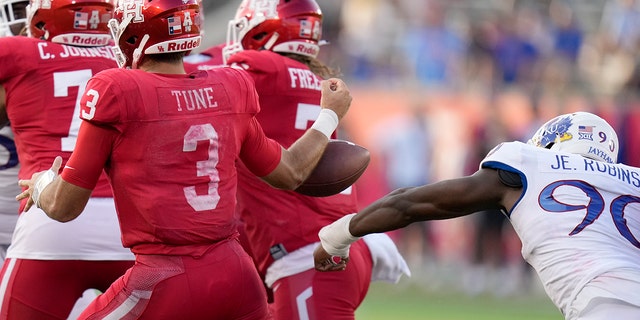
<point x="438" y="83"/>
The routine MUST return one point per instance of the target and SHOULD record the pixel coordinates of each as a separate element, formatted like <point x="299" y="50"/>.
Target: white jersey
<point x="9" y="188"/>
<point x="577" y="219"/>
<point x="93" y="235"/>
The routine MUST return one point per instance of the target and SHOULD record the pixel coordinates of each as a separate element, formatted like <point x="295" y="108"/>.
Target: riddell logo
<point x="183" y="46"/>
<point x="307" y="50"/>
<point x="89" y="41"/>
<point x="187" y="44"/>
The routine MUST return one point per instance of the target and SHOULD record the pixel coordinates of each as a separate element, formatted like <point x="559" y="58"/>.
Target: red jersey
<point x="169" y="144"/>
<point x="279" y="220"/>
<point x="44" y="82"/>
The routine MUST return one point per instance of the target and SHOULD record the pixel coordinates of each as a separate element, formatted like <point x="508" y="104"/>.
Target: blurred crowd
<point x="544" y="46"/>
<point x="438" y="83"/>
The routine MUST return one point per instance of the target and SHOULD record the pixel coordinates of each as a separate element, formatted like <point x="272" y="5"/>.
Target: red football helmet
<point x="144" y="27"/>
<point x="74" y="22"/>
<point x="291" y="26"/>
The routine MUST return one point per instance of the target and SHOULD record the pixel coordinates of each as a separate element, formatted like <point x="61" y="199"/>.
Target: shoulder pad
<point x="510" y="179"/>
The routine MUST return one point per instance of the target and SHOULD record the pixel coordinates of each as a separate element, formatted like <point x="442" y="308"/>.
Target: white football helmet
<point x="13" y="17"/>
<point x="581" y="133"/>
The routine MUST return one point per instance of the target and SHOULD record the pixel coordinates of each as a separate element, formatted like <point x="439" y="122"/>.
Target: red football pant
<point x="221" y="284"/>
<point x="314" y="295"/>
<point x="48" y="289"/>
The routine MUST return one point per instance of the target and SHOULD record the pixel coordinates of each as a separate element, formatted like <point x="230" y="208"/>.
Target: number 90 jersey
<point x="577" y="218"/>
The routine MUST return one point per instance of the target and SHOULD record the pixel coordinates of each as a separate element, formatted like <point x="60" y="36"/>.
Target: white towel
<point x="388" y="263"/>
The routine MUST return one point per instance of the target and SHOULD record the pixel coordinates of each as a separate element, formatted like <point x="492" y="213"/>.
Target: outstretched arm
<point x="438" y="201"/>
<point x="442" y="200"/>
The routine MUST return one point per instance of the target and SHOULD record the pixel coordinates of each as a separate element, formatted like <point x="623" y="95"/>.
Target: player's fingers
<point x="333" y="263"/>
<point x="338" y="84"/>
<point x="333" y="84"/>
<point x="57" y="162"/>
<point x="28" y="205"/>
<point x="325" y="266"/>
<point x="322" y="267"/>
<point x="23" y="195"/>
<point x="24" y="183"/>
<point x="328" y="84"/>
<point x="339" y="263"/>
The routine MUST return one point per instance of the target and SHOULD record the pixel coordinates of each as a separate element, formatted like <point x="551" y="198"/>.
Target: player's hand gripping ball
<point x="341" y="165"/>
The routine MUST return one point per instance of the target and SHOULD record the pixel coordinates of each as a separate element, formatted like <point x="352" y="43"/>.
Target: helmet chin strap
<point x="271" y="42"/>
<point x="116" y="32"/>
<point x="137" y="53"/>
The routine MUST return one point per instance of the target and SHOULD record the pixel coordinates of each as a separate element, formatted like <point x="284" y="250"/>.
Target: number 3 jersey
<point x="169" y="144"/>
<point x="577" y="218"/>
<point x="43" y="83"/>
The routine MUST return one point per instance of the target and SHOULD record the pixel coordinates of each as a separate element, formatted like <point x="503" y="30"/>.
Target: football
<point x="341" y="165"/>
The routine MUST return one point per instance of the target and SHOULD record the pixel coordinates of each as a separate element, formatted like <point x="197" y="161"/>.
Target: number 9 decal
<point x="603" y="136"/>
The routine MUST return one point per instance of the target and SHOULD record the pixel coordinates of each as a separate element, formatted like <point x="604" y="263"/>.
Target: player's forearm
<point x="63" y="201"/>
<point x="442" y="200"/>
<point x="381" y="216"/>
<point x="298" y="161"/>
<point x="307" y="151"/>
<point x="386" y="214"/>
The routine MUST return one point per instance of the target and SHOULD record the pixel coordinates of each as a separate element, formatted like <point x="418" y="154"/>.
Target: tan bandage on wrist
<point x="336" y="238"/>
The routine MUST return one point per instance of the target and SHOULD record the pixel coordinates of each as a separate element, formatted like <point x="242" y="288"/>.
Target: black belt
<point x="278" y="251"/>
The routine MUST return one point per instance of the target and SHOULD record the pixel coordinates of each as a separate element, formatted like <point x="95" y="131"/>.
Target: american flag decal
<point x="585" y="133"/>
<point x="80" y="20"/>
<point x="586" y="129"/>
<point x="175" y="25"/>
<point x="305" y="28"/>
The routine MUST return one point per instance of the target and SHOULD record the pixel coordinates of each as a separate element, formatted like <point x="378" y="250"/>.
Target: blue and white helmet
<point x="581" y="133"/>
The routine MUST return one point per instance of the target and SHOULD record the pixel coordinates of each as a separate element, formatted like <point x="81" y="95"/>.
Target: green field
<point x="409" y="302"/>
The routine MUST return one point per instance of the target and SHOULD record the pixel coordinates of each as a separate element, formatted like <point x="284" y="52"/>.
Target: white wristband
<point x="42" y="182"/>
<point x="336" y="237"/>
<point x="327" y="122"/>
